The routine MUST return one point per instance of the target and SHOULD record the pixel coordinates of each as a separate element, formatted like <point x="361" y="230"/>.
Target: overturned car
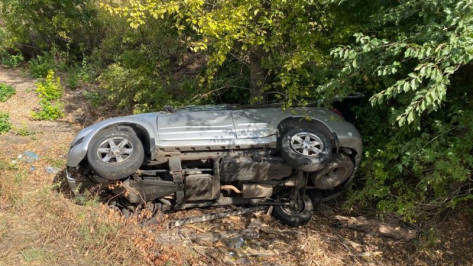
<point x="222" y="155"/>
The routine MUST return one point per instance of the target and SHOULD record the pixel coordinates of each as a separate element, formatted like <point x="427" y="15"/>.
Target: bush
<point x="133" y="89"/>
<point x="6" y="91"/>
<point x="50" y="89"/>
<point x="49" y="92"/>
<point x="40" y="65"/>
<point x="48" y="111"/>
<point x="11" y="61"/>
<point x="416" y="172"/>
<point x="4" y="123"/>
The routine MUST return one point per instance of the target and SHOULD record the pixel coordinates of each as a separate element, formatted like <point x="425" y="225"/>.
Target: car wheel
<point x="297" y="215"/>
<point x="334" y="173"/>
<point x="305" y="149"/>
<point x="115" y="154"/>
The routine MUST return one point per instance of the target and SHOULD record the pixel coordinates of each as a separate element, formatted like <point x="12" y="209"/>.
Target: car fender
<point x="80" y="145"/>
<point x="346" y="133"/>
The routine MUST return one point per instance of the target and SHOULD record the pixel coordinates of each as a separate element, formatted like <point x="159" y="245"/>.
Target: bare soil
<point x="41" y="226"/>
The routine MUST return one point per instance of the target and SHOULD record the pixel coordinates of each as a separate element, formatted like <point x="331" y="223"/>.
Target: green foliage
<point x="49" y="89"/>
<point x="149" y="66"/>
<point x="10" y="60"/>
<point x="95" y="99"/>
<point x="42" y="24"/>
<point x="132" y="89"/>
<point x="416" y="173"/>
<point x="5" y="125"/>
<point x="412" y="57"/>
<point x="49" y="92"/>
<point x="6" y="91"/>
<point x="40" y="65"/>
<point x="48" y="111"/>
<point x="279" y="42"/>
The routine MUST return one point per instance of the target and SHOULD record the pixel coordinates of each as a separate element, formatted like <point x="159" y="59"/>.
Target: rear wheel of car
<point x="334" y="173"/>
<point x="305" y="149"/>
<point x="296" y="215"/>
<point x="115" y="153"/>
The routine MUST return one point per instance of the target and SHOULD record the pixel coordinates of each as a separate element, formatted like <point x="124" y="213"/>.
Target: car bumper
<point x="71" y="181"/>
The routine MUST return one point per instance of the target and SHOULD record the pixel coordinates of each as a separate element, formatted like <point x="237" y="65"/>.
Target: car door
<point x="254" y="123"/>
<point x="197" y="126"/>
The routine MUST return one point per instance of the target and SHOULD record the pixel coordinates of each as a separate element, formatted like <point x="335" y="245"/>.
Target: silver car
<point x="221" y="155"/>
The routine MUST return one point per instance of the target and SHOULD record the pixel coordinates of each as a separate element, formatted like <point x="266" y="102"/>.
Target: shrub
<point x="49" y="92"/>
<point x="11" y="61"/>
<point x="4" y="123"/>
<point x="412" y="172"/>
<point x="6" y="91"/>
<point x="40" y="65"/>
<point x="50" y="89"/>
<point x="48" y="111"/>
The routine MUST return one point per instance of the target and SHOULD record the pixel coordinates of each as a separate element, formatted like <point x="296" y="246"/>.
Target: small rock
<point x="52" y="169"/>
<point x="236" y="242"/>
<point x="32" y="168"/>
<point x="30" y="157"/>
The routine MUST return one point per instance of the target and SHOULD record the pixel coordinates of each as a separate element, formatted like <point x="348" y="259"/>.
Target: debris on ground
<point x="52" y="169"/>
<point x="29" y="157"/>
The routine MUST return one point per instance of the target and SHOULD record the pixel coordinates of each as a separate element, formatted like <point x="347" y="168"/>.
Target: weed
<point x="72" y="80"/>
<point x="6" y="91"/>
<point x="48" y="111"/>
<point x="5" y="125"/>
<point x="49" y="91"/>
<point x="23" y="131"/>
<point x="37" y="255"/>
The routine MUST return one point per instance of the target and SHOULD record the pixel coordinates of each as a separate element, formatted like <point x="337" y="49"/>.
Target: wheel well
<point x="292" y="122"/>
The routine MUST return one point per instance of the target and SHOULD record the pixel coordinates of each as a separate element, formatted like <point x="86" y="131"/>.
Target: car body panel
<point x="217" y="129"/>
<point x="198" y="125"/>
<point x="253" y="123"/>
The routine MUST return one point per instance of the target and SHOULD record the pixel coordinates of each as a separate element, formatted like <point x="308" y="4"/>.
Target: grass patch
<point x="5" y="125"/>
<point x="6" y="91"/>
<point x="24" y="131"/>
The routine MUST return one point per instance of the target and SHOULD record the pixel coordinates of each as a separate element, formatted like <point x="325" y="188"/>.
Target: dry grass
<point x="42" y="226"/>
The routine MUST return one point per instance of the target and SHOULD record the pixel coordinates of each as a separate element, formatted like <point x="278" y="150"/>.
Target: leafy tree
<point x="35" y="25"/>
<point x="283" y="44"/>
<point x="408" y="53"/>
<point x="414" y="59"/>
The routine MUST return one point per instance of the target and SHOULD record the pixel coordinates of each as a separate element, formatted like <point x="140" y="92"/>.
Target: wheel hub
<point x="114" y="150"/>
<point x="307" y="144"/>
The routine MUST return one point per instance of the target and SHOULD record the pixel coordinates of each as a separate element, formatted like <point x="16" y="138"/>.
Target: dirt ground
<point x="40" y="226"/>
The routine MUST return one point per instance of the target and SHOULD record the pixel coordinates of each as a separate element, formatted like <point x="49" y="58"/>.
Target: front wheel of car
<point x="295" y="215"/>
<point x="305" y="149"/>
<point x="115" y="153"/>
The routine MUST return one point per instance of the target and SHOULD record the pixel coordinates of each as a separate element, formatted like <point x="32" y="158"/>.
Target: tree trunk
<point x="257" y="76"/>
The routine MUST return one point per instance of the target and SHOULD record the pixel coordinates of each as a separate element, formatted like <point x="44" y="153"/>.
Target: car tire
<point x="295" y="216"/>
<point x="305" y="149"/>
<point x="115" y="153"/>
<point x="335" y="172"/>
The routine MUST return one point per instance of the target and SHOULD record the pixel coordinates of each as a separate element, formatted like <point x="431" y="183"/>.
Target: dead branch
<point x="376" y="228"/>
